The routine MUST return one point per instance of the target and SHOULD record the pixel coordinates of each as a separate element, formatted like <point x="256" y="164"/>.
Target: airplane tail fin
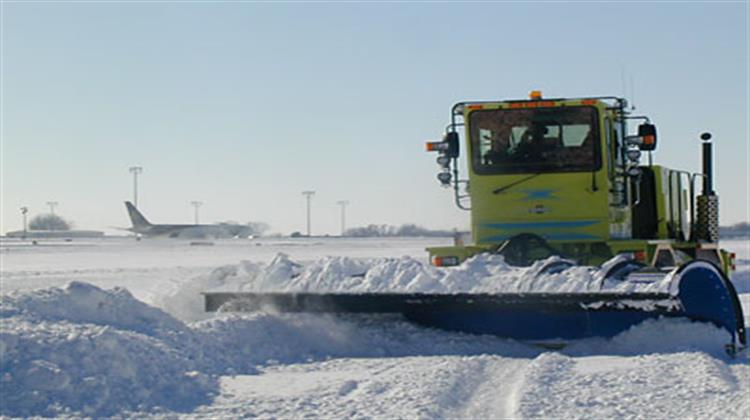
<point x="136" y="217"/>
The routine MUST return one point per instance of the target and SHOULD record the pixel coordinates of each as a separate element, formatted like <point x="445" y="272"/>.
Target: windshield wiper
<point x="512" y="184"/>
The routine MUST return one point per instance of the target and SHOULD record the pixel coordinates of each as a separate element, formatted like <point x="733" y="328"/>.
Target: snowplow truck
<point x="554" y="184"/>
<point x="564" y="176"/>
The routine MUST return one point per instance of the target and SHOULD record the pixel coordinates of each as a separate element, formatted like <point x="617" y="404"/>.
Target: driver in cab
<point x="532" y="144"/>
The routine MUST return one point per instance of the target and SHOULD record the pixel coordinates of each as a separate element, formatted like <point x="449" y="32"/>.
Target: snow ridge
<point x="83" y="351"/>
<point x="80" y="349"/>
<point x="483" y="273"/>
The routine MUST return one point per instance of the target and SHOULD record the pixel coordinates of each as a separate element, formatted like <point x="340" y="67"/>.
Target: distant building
<point x="55" y="234"/>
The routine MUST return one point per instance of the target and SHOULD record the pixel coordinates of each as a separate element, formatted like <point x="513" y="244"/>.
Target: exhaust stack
<point x="707" y="224"/>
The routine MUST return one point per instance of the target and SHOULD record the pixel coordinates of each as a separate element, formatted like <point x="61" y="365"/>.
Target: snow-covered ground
<point x="115" y="327"/>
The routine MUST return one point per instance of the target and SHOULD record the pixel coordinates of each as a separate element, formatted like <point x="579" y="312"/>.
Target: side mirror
<point x="448" y="149"/>
<point x="647" y="133"/>
<point x="451" y="139"/>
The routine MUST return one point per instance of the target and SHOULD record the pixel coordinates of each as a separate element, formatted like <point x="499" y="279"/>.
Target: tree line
<point x="738" y="230"/>
<point x="410" y="229"/>
<point x="49" y="222"/>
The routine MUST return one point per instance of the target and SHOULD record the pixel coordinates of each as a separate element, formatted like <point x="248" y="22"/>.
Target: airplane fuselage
<point x="143" y="227"/>
<point x="193" y="231"/>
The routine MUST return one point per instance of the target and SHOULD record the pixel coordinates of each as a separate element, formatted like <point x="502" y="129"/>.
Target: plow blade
<point x="698" y="291"/>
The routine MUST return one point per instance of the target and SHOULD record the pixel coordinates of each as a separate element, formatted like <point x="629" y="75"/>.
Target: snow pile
<point x="54" y="368"/>
<point x="483" y="273"/>
<point x="86" y="351"/>
<point x="83" y="351"/>
<point x="674" y="335"/>
<point x="184" y="300"/>
<point x="82" y="303"/>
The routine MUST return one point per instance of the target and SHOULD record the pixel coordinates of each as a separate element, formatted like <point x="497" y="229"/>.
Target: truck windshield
<point x="561" y="139"/>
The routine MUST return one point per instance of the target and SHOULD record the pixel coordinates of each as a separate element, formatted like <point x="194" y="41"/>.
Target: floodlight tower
<point x="52" y="205"/>
<point x="135" y="170"/>
<point x="343" y="204"/>
<point x="196" y="204"/>
<point x="24" y="210"/>
<point x="308" y="195"/>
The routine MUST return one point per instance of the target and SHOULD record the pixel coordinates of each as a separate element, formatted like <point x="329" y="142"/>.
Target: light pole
<point x="135" y="170"/>
<point x="196" y="204"/>
<point x="343" y="204"/>
<point x="52" y="205"/>
<point x="308" y="195"/>
<point x="24" y="210"/>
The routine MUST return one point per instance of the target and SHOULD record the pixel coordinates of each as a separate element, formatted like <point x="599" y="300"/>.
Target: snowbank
<point x="80" y="349"/>
<point x="483" y="273"/>
<point x="184" y="300"/>
<point x="83" y="351"/>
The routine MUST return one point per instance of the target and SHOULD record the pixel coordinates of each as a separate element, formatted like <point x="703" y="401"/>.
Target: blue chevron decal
<point x="539" y="195"/>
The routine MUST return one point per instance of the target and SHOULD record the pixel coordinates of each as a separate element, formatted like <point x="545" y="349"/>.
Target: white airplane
<point x="143" y="227"/>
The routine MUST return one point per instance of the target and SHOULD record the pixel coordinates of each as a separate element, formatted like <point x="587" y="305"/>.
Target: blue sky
<point x="244" y="105"/>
